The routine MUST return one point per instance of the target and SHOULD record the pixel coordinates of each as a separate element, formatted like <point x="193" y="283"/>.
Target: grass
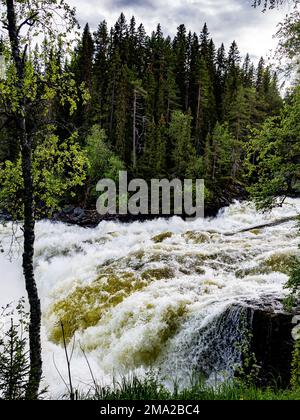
<point x="150" y="389"/>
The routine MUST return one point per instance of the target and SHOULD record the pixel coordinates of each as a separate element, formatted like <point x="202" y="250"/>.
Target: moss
<point x="107" y="263"/>
<point x="255" y="231"/>
<point x="158" y="273"/>
<point x="85" y="306"/>
<point x="191" y="263"/>
<point x="199" y="270"/>
<point x="139" y="255"/>
<point x="279" y="262"/>
<point x="161" y="237"/>
<point x="194" y="258"/>
<point x="241" y="273"/>
<point x="185" y="271"/>
<point x="135" y="260"/>
<point x="167" y="329"/>
<point x="196" y="237"/>
<point x="228" y="257"/>
<point x="158" y="256"/>
<point x="275" y="263"/>
<point x="213" y="283"/>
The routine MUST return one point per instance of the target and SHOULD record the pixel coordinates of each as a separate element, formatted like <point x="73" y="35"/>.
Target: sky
<point x="227" y="20"/>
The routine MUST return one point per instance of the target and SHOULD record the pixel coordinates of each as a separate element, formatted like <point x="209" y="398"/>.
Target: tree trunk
<point x="264" y="225"/>
<point x="35" y="373"/>
<point x="134" y="128"/>
<point x="198" y="117"/>
<point x="198" y="107"/>
<point x="111" y="117"/>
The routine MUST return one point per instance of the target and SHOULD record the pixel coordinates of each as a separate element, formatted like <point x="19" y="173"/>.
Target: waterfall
<point x="213" y="351"/>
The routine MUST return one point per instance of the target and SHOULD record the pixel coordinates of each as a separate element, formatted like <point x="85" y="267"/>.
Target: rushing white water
<point x="138" y="300"/>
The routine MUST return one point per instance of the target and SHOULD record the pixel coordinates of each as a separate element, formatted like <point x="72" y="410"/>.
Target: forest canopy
<point x="157" y="106"/>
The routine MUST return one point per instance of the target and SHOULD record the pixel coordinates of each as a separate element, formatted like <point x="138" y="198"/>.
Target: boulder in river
<point x="273" y="344"/>
<point x="271" y="340"/>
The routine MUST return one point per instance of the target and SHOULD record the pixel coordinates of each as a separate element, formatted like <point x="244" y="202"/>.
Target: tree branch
<point x="29" y="21"/>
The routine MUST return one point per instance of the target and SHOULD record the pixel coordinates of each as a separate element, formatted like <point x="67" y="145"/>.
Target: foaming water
<point x="161" y="294"/>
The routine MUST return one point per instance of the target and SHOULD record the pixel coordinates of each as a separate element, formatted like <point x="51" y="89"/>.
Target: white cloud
<point x="227" y="20"/>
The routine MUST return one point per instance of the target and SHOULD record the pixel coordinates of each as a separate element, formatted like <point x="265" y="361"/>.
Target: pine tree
<point x="218" y="156"/>
<point x="100" y="72"/>
<point x="260" y="75"/>
<point x="267" y="94"/>
<point x="114" y="75"/>
<point x="193" y="74"/>
<point x="120" y="38"/>
<point x="82" y="67"/>
<point x="141" y="45"/>
<point x="204" y="42"/>
<point x="121" y="129"/>
<point x="84" y="59"/>
<point x="206" y="106"/>
<point x="248" y="72"/>
<point x="184" y="153"/>
<point x="273" y="96"/>
<point x="240" y="115"/>
<point x="170" y="88"/>
<point x="233" y="78"/>
<point x="139" y="119"/>
<point x="180" y="45"/>
<point x="153" y="163"/>
<point x="221" y="69"/>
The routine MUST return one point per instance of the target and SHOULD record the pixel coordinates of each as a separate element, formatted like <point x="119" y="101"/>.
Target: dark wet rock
<point x="244" y="335"/>
<point x="68" y="209"/>
<point x="271" y="340"/>
<point x="272" y="344"/>
<point x="91" y="218"/>
<point x="79" y="212"/>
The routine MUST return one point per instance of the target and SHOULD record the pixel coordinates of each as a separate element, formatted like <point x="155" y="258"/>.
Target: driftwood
<point x="264" y="225"/>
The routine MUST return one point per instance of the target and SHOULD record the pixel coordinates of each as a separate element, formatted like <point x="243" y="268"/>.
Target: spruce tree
<point x="233" y="78"/>
<point x="83" y="69"/>
<point x="100" y="73"/>
<point x="221" y="69"/>
<point x="184" y="153"/>
<point x="248" y="72"/>
<point x="180" y="45"/>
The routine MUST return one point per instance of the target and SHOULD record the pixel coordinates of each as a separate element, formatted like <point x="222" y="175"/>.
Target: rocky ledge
<point x="271" y="340"/>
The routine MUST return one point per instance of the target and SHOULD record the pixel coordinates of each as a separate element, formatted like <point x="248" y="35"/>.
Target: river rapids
<point x="157" y="295"/>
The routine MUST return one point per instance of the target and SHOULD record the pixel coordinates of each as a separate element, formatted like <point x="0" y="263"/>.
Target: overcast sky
<point x="227" y="20"/>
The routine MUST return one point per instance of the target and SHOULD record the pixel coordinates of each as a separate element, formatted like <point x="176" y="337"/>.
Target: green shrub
<point x="103" y="163"/>
<point x="14" y="360"/>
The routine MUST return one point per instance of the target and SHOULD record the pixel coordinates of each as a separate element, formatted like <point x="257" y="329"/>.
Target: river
<point x="151" y="295"/>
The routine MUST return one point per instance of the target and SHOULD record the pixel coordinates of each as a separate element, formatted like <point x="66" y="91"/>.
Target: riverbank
<point x="89" y="217"/>
<point x="149" y="389"/>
